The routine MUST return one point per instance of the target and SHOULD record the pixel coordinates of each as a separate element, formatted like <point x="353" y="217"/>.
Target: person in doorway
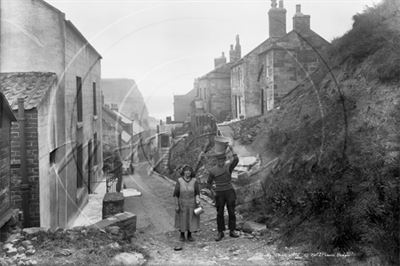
<point x="187" y="198"/>
<point x="220" y="175"/>
<point x="117" y="165"/>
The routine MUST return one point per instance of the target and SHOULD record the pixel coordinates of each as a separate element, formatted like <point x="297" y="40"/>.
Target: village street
<point x="155" y="233"/>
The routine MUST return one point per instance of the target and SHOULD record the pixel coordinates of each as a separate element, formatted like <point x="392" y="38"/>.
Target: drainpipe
<point x="25" y="186"/>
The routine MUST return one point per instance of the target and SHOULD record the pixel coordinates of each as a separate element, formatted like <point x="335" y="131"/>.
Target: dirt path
<point x="155" y="232"/>
<point x="155" y="208"/>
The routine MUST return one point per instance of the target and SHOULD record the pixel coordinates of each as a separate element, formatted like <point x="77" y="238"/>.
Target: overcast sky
<point x="163" y="45"/>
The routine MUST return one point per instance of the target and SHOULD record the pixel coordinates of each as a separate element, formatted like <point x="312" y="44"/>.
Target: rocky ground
<point x="155" y="241"/>
<point x="77" y="246"/>
<point x="93" y="246"/>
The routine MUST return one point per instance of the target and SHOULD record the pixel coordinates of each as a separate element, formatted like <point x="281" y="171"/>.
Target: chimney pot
<point x="277" y="20"/>
<point x="220" y="60"/>
<point x="301" y="22"/>
<point x="114" y="107"/>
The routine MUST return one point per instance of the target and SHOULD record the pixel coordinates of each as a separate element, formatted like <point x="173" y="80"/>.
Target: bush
<point x="339" y="206"/>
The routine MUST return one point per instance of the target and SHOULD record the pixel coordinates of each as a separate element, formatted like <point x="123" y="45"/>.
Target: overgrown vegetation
<point x="338" y="206"/>
<point x="374" y="38"/>
<point x="319" y="196"/>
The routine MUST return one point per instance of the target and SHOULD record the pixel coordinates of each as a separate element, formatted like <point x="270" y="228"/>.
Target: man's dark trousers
<point x="227" y="197"/>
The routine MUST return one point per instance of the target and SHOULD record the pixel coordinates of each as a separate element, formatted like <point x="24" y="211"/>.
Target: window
<point x="79" y="98"/>
<point x="240" y="76"/>
<point x="90" y="153"/>
<point x="53" y="157"/>
<point x="260" y="73"/>
<point x="262" y="101"/>
<point x="94" y="99"/>
<point x="270" y="99"/>
<point x="89" y="165"/>
<point x="79" y="166"/>
<point x="95" y="159"/>
<point x="164" y="141"/>
<point x="240" y="104"/>
<point x="269" y="64"/>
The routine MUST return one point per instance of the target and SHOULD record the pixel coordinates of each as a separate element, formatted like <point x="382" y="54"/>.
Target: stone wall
<point x="246" y="83"/>
<point x="294" y="59"/>
<point x="215" y="91"/>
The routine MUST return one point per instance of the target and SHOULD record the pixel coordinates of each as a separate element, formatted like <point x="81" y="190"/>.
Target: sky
<point x="164" y="45"/>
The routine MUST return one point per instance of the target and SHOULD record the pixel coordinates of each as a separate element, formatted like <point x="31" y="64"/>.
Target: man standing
<point x="117" y="164"/>
<point x="225" y="194"/>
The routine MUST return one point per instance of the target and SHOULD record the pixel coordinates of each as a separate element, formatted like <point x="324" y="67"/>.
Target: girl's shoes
<point x="182" y="237"/>
<point x="189" y="237"/>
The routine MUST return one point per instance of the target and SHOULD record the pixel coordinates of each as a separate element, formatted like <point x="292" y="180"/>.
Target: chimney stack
<point x="301" y="22"/>
<point x="238" y="48"/>
<point x="220" y="61"/>
<point x="232" y="54"/>
<point x="277" y="20"/>
<point x="235" y="54"/>
<point x="114" y="107"/>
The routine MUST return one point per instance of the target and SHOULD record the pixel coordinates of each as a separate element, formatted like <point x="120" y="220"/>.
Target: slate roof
<point x="6" y="107"/>
<point x="32" y="86"/>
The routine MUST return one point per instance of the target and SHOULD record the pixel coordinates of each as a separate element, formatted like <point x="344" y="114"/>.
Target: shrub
<point x="339" y="206"/>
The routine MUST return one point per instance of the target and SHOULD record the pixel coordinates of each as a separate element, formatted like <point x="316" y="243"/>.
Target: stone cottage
<point x="213" y="90"/>
<point x="263" y="76"/>
<point x="6" y="117"/>
<point x="46" y="61"/>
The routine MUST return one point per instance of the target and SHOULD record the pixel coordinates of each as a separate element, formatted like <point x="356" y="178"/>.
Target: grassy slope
<point x="335" y="186"/>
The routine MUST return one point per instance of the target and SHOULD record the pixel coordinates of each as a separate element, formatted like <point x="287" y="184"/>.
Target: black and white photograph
<point x="200" y="132"/>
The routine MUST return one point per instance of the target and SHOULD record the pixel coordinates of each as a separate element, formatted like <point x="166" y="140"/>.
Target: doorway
<point x="89" y="165"/>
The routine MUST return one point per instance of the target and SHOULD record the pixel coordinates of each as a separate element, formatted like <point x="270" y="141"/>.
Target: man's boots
<point x="219" y="236"/>
<point x="232" y="233"/>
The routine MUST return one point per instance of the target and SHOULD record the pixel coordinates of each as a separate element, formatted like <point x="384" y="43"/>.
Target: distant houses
<point x="126" y="94"/>
<point x="255" y="83"/>
<point x="49" y="67"/>
<point x="120" y="133"/>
